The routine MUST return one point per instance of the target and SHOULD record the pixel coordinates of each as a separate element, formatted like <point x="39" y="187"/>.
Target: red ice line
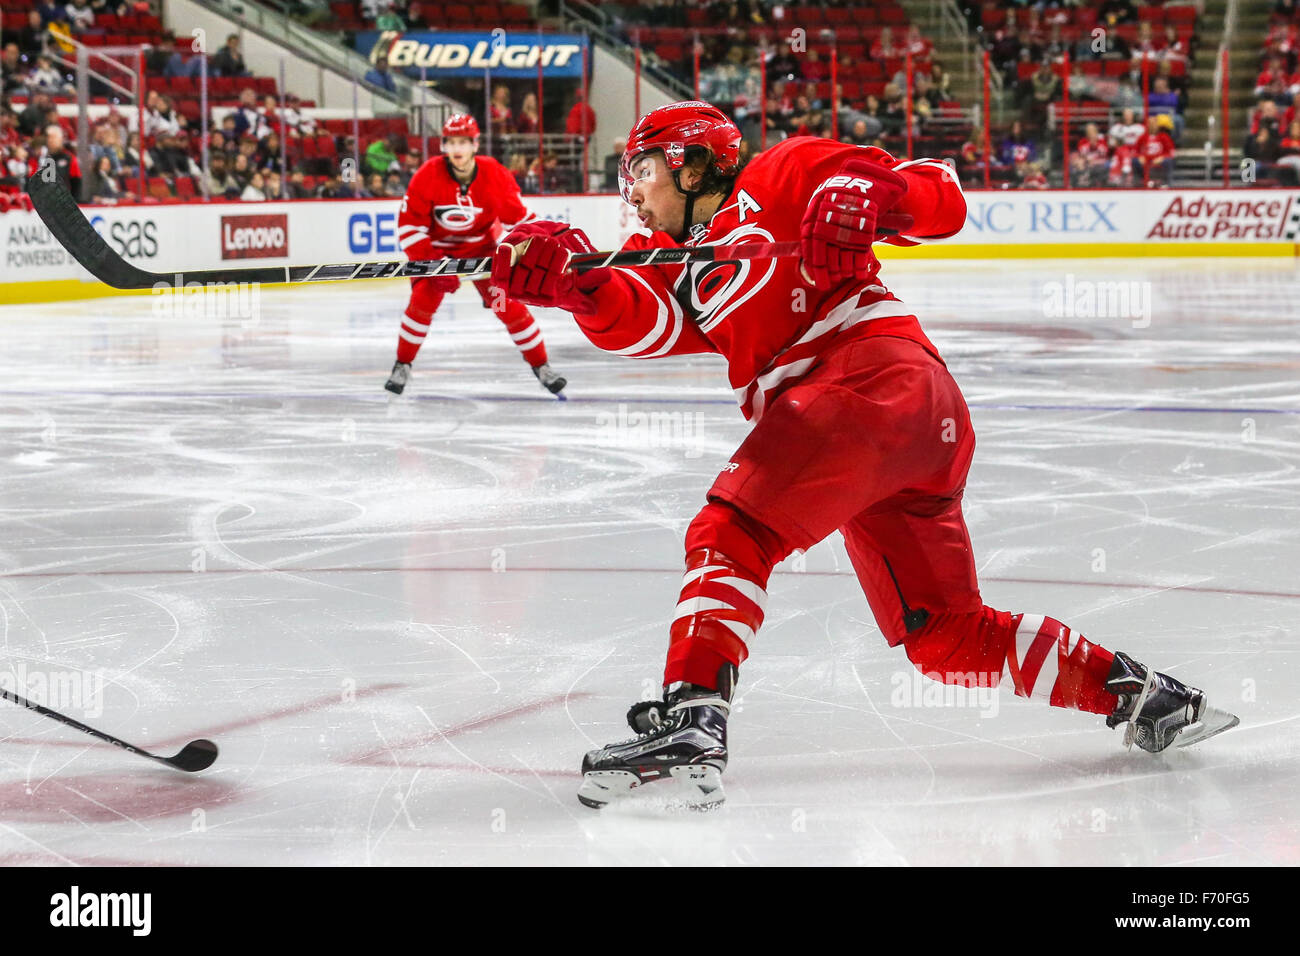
<point x="304" y="708"/>
<point x="1137" y="585"/>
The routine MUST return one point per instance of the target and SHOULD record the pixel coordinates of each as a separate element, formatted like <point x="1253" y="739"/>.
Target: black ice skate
<point x="397" y="379"/>
<point x="551" y="380"/>
<point x="683" y="737"/>
<point x="1159" y="710"/>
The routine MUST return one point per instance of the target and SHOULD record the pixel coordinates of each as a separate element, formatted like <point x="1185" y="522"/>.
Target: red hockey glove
<point x="439" y="285"/>
<point x="840" y="223"/>
<point x="531" y="265"/>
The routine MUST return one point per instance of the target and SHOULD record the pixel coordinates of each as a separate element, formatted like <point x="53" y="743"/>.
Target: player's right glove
<point x="840" y="223"/>
<point x="532" y="265"/>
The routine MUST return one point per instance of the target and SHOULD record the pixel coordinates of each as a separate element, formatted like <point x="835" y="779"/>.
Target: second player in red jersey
<point x="858" y="427"/>
<point x="458" y="205"/>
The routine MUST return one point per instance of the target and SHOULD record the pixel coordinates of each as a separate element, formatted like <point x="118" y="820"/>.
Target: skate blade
<point x="1213" y="721"/>
<point x="698" y="788"/>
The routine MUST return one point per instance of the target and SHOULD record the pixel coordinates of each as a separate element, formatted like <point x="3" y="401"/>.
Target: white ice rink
<point x="404" y="621"/>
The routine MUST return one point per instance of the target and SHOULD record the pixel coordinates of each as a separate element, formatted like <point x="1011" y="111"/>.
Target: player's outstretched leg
<point x="426" y="295"/>
<point x="525" y="333"/>
<point x="1040" y="658"/>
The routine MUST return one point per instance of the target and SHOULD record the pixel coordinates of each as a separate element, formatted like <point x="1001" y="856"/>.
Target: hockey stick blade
<point x="194" y="756"/>
<point x="58" y="210"/>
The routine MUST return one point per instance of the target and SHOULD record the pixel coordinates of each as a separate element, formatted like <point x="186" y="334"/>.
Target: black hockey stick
<point x="66" y="222"/>
<point x="194" y="756"/>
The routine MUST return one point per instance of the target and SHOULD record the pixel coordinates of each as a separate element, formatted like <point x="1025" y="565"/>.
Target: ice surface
<point x="404" y="621"/>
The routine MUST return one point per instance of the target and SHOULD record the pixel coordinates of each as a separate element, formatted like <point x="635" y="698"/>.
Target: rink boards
<point x="999" y="224"/>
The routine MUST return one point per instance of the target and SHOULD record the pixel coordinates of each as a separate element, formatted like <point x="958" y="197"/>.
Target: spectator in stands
<point x="374" y="186"/>
<point x="254" y="191"/>
<point x="51" y="12"/>
<point x="528" y="120"/>
<point x="241" y="171"/>
<point x="1113" y="12"/>
<point x="395" y="186"/>
<point x="80" y="16"/>
<point x="53" y="153"/>
<point x="247" y="116"/>
<point x="499" y="112"/>
<point x="973" y="157"/>
<point x="379" y="76"/>
<point x="159" y="115"/>
<point x="388" y="18"/>
<point x="104" y="184"/>
<point x="102" y="147"/>
<point x="228" y="61"/>
<point x="274" y="187"/>
<point x="218" y="180"/>
<point x="1017" y="147"/>
<point x="331" y="188"/>
<point x="133" y="153"/>
<point x="1031" y="176"/>
<point x="884" y="48"/>
<point x="230" y="131"/>
<point x="1175" y="50"/>
<point x="268" y="155"/>
<point x="415" y="19"/>
<point x="46" y="78"/>
<point x="610" y="164"/>
<point x="1289" y="150"/>
<point x="1163" y="101"/>
<point x="171" y="157"/>
<point x="1264" y="149"/>
<point x="1091" y="158"/>
<point x="581" y="120"/>
<point x="15" y="165"/>
<point x="1044" y="87"/>
<point x="31" y="38"/>
<point x="1146" y="49"/>
<point x="11" y="66"/>
<point x="860" y="134"/>
<point x="1156" y="152"/>
<point x="1127" y="130"/>
<point x="893" y="111"/>
<point x="915" y="43"/>
<point x="296" y="187"/>
<point x="1266" y="116"/>
<point x="40" y="113"/>
<point x="381" y="155"/>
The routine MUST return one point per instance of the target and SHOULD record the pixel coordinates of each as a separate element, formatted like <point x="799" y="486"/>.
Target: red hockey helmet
<point x="674" y="129"/>
<point x="460" y="124"/>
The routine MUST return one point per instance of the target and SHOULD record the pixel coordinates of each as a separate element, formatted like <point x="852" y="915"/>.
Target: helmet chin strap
<point x="688" y="219"/>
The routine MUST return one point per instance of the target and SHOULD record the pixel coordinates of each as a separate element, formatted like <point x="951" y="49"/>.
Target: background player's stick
<point x="194" y="756"/>
<point x="66" y="222"/>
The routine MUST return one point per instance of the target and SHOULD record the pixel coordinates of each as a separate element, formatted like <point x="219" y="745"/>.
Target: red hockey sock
<point x="1038" y="657"/>
<point x="519" y="322"/>
<point x="720" y="608"/>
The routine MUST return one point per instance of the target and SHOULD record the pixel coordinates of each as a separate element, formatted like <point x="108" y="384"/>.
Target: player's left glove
<point x="841" y="222"/>
<point x="532" y="265"/>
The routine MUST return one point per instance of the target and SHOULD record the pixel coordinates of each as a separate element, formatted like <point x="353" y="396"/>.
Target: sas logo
<point x="255" y="237"/>
<point x="456" y="218"/>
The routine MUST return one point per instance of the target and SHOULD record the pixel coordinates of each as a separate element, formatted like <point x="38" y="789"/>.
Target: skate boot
<point x="398" y="378"/>
<point x="682" y="737"/>
<point x="551" y="380"/>
<point x="1160" y="710"/>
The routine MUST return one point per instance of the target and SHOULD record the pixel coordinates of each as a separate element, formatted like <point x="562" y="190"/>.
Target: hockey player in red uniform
<point x="453" y="208"/>
<point x="858" y="427"/>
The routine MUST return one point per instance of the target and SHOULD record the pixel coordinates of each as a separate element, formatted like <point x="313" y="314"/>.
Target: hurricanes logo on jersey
<point x="709" y="291"/>
<point x="456" y="218"/>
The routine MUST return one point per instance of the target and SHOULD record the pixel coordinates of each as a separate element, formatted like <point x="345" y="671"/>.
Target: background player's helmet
<point x="460" y="124"/>
<point x="676" y="129"/>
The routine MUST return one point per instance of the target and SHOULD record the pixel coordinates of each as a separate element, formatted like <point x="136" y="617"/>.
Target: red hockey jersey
<point x="760" y="314"/>
<point x="443" y="217"/>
